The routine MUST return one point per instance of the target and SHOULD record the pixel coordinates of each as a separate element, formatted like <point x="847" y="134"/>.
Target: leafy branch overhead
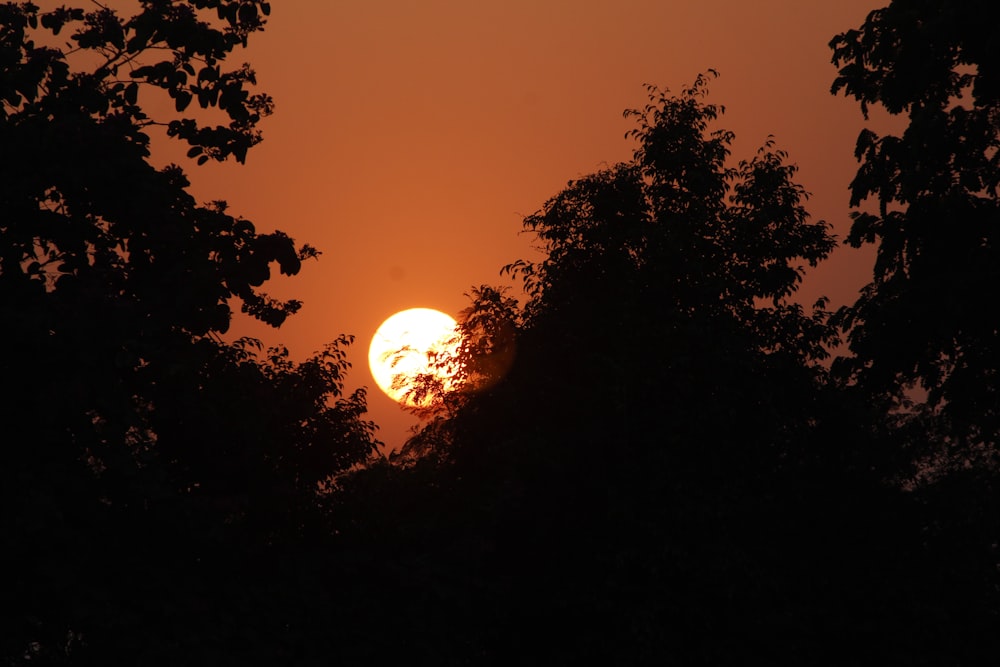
<point x="173" y="47"/>
<point x="116" y="286"/>
<point x="928" y="199"/>
<point x="82" y="199"/>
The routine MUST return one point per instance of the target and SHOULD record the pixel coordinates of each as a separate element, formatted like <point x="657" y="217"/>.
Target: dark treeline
<point x="652" y="459"/>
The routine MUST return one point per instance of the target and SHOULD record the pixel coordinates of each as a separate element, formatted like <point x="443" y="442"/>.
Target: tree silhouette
<point x="140" y="448"/>
<point x="667" y="471"/>
<point x="923" y="339"/>
<point x="669" y="275"/>
<point x="654" y="470"/>
<point x="921" y="323"/>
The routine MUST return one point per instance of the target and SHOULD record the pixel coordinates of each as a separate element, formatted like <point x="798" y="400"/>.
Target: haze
<point x="409" y="139"/>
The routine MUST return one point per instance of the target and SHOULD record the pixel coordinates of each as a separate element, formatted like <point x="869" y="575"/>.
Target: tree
<point x="921" y="323"/>
<point x="670" y="275"/>
<point x="924" y="340"/>
<point x="646" y="466"/>
<point x="115" y="281"/>
<point x="132" y="426"/>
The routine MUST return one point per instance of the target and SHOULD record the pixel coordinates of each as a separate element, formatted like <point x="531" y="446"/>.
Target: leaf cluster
<point x="132" y="425"/>
<point x="167" y="46"/>
<point x="677" y="231"/>
<point x="927" y="198"/>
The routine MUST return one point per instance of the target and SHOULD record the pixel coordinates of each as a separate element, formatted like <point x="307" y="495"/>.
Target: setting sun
<point x="404" y="347"/>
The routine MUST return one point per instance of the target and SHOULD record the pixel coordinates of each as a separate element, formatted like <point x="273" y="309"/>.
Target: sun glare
<point x="403" y="347"/>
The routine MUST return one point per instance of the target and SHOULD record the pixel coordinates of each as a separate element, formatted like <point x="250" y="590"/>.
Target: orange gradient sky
<point x="410" y="138"/>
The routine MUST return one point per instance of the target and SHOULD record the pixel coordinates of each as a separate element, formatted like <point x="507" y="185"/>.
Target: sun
<point x="403" y="347"/>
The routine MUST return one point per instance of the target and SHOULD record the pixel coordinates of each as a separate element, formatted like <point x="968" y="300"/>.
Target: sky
<point x="410" y="138"/>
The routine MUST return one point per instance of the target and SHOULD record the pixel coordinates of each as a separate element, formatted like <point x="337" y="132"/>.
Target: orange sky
<point x="410" y="138"/>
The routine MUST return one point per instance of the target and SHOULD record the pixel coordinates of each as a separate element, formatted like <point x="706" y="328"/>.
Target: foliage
<point x="647" y="461"/>
<point x="131" y="425"/>
<point x="111" y="273"/>
<point x="922" y="323"/>
<point x="667" y="468"/>
<point x="660" y="416"/>
<point x="669" y="275"/>
<point x="660" y="315"/>
<point x="475" y="358"/>
<point x="922" y="334"/>
<point x="679" y="228"/>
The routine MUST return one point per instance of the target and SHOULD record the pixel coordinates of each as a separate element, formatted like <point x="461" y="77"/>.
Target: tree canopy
<point x="657" y="268"/>
<point x="665" y="409"/>
<point x="650" y="458"/>
<point x="669" y="450"/>
<point x="131" y="424"/>
<point x="928" y="200"/>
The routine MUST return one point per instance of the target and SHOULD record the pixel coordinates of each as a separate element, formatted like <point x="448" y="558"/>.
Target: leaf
<point x="182" y="100"/>
<point x="208" y="74"/>
<point x="248" y="14"/>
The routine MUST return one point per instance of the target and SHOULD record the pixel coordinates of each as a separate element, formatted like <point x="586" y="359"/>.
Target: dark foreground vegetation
<point x="651" y="460"/>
